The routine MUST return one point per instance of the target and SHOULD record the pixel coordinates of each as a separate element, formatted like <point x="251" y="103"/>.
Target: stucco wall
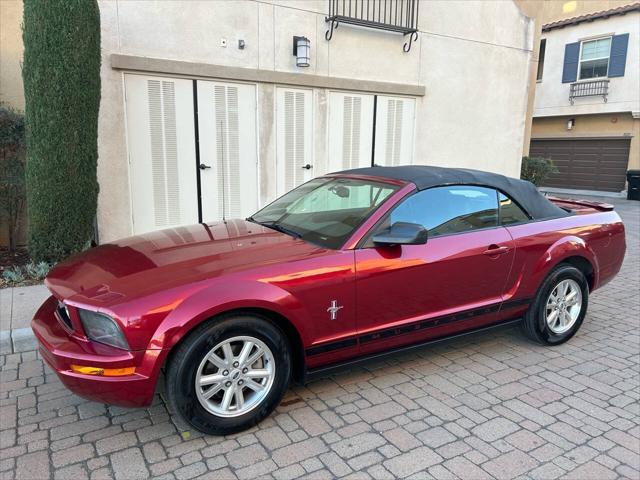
<point x="552" y="96"/>
<point x="11" y="91"/>
<point x="472" y="57"/>
<point x="603" y="125"/>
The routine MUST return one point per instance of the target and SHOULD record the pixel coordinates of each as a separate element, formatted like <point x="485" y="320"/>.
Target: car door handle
<point x="496" y="250"/>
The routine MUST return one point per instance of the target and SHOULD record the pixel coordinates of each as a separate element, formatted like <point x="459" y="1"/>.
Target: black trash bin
<point x="633" y="179"/>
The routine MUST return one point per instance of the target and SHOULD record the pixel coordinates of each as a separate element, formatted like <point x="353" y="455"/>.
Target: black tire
<point x="185" y="361"/>
<point x="534" y="324"/>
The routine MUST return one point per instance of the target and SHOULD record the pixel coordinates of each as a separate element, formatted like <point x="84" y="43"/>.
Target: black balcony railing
<point x="593" y="88"/>
<point x="393" y="15"/>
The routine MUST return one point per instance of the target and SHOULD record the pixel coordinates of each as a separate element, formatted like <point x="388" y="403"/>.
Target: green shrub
<point x="537" y="169"/>
<point x="37" y="271"/>
<point x="61" y="76"/>
<point x="13" y="275"/>
<point x="12" y="189"/>
<point x="28" y="274"/>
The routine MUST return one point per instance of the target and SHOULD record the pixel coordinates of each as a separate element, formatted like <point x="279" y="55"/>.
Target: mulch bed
<point x="11" y="259"/>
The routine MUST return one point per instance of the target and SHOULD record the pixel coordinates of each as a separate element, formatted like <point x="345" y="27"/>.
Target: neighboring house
<point x="207" y="113"/>
<point x="587" y="103"/>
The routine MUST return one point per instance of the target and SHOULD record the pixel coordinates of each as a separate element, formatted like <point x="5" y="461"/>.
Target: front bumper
<point x="61" y="348"/>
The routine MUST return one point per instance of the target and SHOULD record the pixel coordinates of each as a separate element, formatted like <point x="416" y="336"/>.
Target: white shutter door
<point x="294" y="149"/>
<point x="394" y="130"/>
<point x="350" y="130"/>
<point x="227" y="134"/>
<point x="160" y="138"/>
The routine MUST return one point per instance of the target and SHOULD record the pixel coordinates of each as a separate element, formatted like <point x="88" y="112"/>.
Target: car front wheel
<point x="229" y="374"/>
<point x="559" y="307"/>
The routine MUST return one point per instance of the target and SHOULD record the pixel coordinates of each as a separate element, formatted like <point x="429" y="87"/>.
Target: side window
<point x="447" y="210"/>
<point x="543" y="48"/>
<point x="510" y="212"/>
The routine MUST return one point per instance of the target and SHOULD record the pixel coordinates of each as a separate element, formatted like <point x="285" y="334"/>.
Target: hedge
<point x="61" y="74"/>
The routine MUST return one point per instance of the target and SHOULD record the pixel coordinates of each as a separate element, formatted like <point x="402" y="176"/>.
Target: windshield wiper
<point x="274" y="225"/>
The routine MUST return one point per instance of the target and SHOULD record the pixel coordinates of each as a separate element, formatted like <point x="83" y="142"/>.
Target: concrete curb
<point x="17" y="341"/>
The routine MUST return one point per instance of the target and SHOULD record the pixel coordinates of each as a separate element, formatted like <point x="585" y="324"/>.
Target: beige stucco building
<point x="11" y="92"/>
<point x="586" y="113"/>
<point x="205" y="112"/>
<point x="11" y="49"/>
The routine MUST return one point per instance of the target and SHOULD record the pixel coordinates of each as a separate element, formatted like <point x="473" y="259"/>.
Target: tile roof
<point x="634" y="7"/>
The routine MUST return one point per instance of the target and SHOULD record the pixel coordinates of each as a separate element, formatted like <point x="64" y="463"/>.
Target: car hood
<point x="173" y="258"/>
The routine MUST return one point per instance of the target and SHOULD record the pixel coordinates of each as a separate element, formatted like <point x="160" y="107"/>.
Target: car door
<point x="454" y="282"/>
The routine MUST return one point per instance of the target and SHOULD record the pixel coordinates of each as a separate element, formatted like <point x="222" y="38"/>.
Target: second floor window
<point x="543" y="48"/>
<point x="594" y="58"/>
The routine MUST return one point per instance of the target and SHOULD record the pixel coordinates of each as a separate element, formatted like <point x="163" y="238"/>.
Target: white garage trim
<point x="207" y="70"/>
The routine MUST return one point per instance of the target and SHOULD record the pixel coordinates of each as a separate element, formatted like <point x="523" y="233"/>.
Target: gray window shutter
<point x="570" y="69"/>
<point x="618" y="57"/>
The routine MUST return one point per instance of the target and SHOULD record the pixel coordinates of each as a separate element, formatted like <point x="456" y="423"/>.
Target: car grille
<point x="63" y="313"/>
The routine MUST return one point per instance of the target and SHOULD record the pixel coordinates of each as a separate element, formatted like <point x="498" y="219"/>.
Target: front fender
<point x="223" y="297"/>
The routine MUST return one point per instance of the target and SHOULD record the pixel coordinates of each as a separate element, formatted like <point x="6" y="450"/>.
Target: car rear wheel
<point x="229" y="374"/>
<point x="559" y="307"/>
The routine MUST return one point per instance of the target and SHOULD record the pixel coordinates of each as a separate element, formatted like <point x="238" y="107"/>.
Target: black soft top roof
<point x="424" y="176"/>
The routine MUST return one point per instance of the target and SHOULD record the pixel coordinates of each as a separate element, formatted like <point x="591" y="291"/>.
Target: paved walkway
<point x="491" y="405"/>
<point x="17" y="307"/>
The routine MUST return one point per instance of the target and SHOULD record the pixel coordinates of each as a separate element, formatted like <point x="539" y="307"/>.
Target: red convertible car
<point x="346" y="267"/>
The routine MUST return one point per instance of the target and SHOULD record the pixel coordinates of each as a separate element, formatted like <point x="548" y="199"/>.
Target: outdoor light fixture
<point x="302" y="51"/>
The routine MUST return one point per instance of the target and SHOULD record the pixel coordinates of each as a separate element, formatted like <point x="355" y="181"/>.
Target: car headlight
<point x="102" y="328"/>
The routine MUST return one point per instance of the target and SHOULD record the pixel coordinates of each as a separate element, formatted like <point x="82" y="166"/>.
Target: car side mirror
<point x="401" y="233"/>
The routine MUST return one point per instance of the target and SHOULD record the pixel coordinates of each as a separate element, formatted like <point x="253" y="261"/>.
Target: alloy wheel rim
<point x="563" y="306"/>
<point x="235" y="376"/>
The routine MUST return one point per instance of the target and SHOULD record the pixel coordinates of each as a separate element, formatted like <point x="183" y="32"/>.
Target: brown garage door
<point x="585" y="164"/>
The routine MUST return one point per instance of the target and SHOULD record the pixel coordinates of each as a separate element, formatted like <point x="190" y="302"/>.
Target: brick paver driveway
<point x="491" y="405"/>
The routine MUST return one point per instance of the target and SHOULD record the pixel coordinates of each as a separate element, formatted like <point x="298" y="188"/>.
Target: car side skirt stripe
<point x="329" y="347"/>
<point x="414" y="327"/>
<point x="324" y="371"/>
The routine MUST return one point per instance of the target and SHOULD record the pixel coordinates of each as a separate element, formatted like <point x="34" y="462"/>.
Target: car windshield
<point x="324" y="211"/>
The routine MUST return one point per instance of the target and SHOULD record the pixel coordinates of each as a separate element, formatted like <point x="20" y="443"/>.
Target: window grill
<point x="589" y="89"/>
<point x="392" y="15"/>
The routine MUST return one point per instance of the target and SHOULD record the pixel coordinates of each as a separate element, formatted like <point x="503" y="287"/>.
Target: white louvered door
<point x="395" y="119"/>
<point x="160" y="132"/>
<point x="350" y="130"/>
<point x="294" y="137"/>
<point x="227" y="134"/>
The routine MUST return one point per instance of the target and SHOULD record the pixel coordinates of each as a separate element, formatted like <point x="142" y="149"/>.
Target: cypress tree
<point x="61" y="75"/>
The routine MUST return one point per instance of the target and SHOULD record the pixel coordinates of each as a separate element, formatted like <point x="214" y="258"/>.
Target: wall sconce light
<point x="302" y="51"/>
<point x="571" y="123"/>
